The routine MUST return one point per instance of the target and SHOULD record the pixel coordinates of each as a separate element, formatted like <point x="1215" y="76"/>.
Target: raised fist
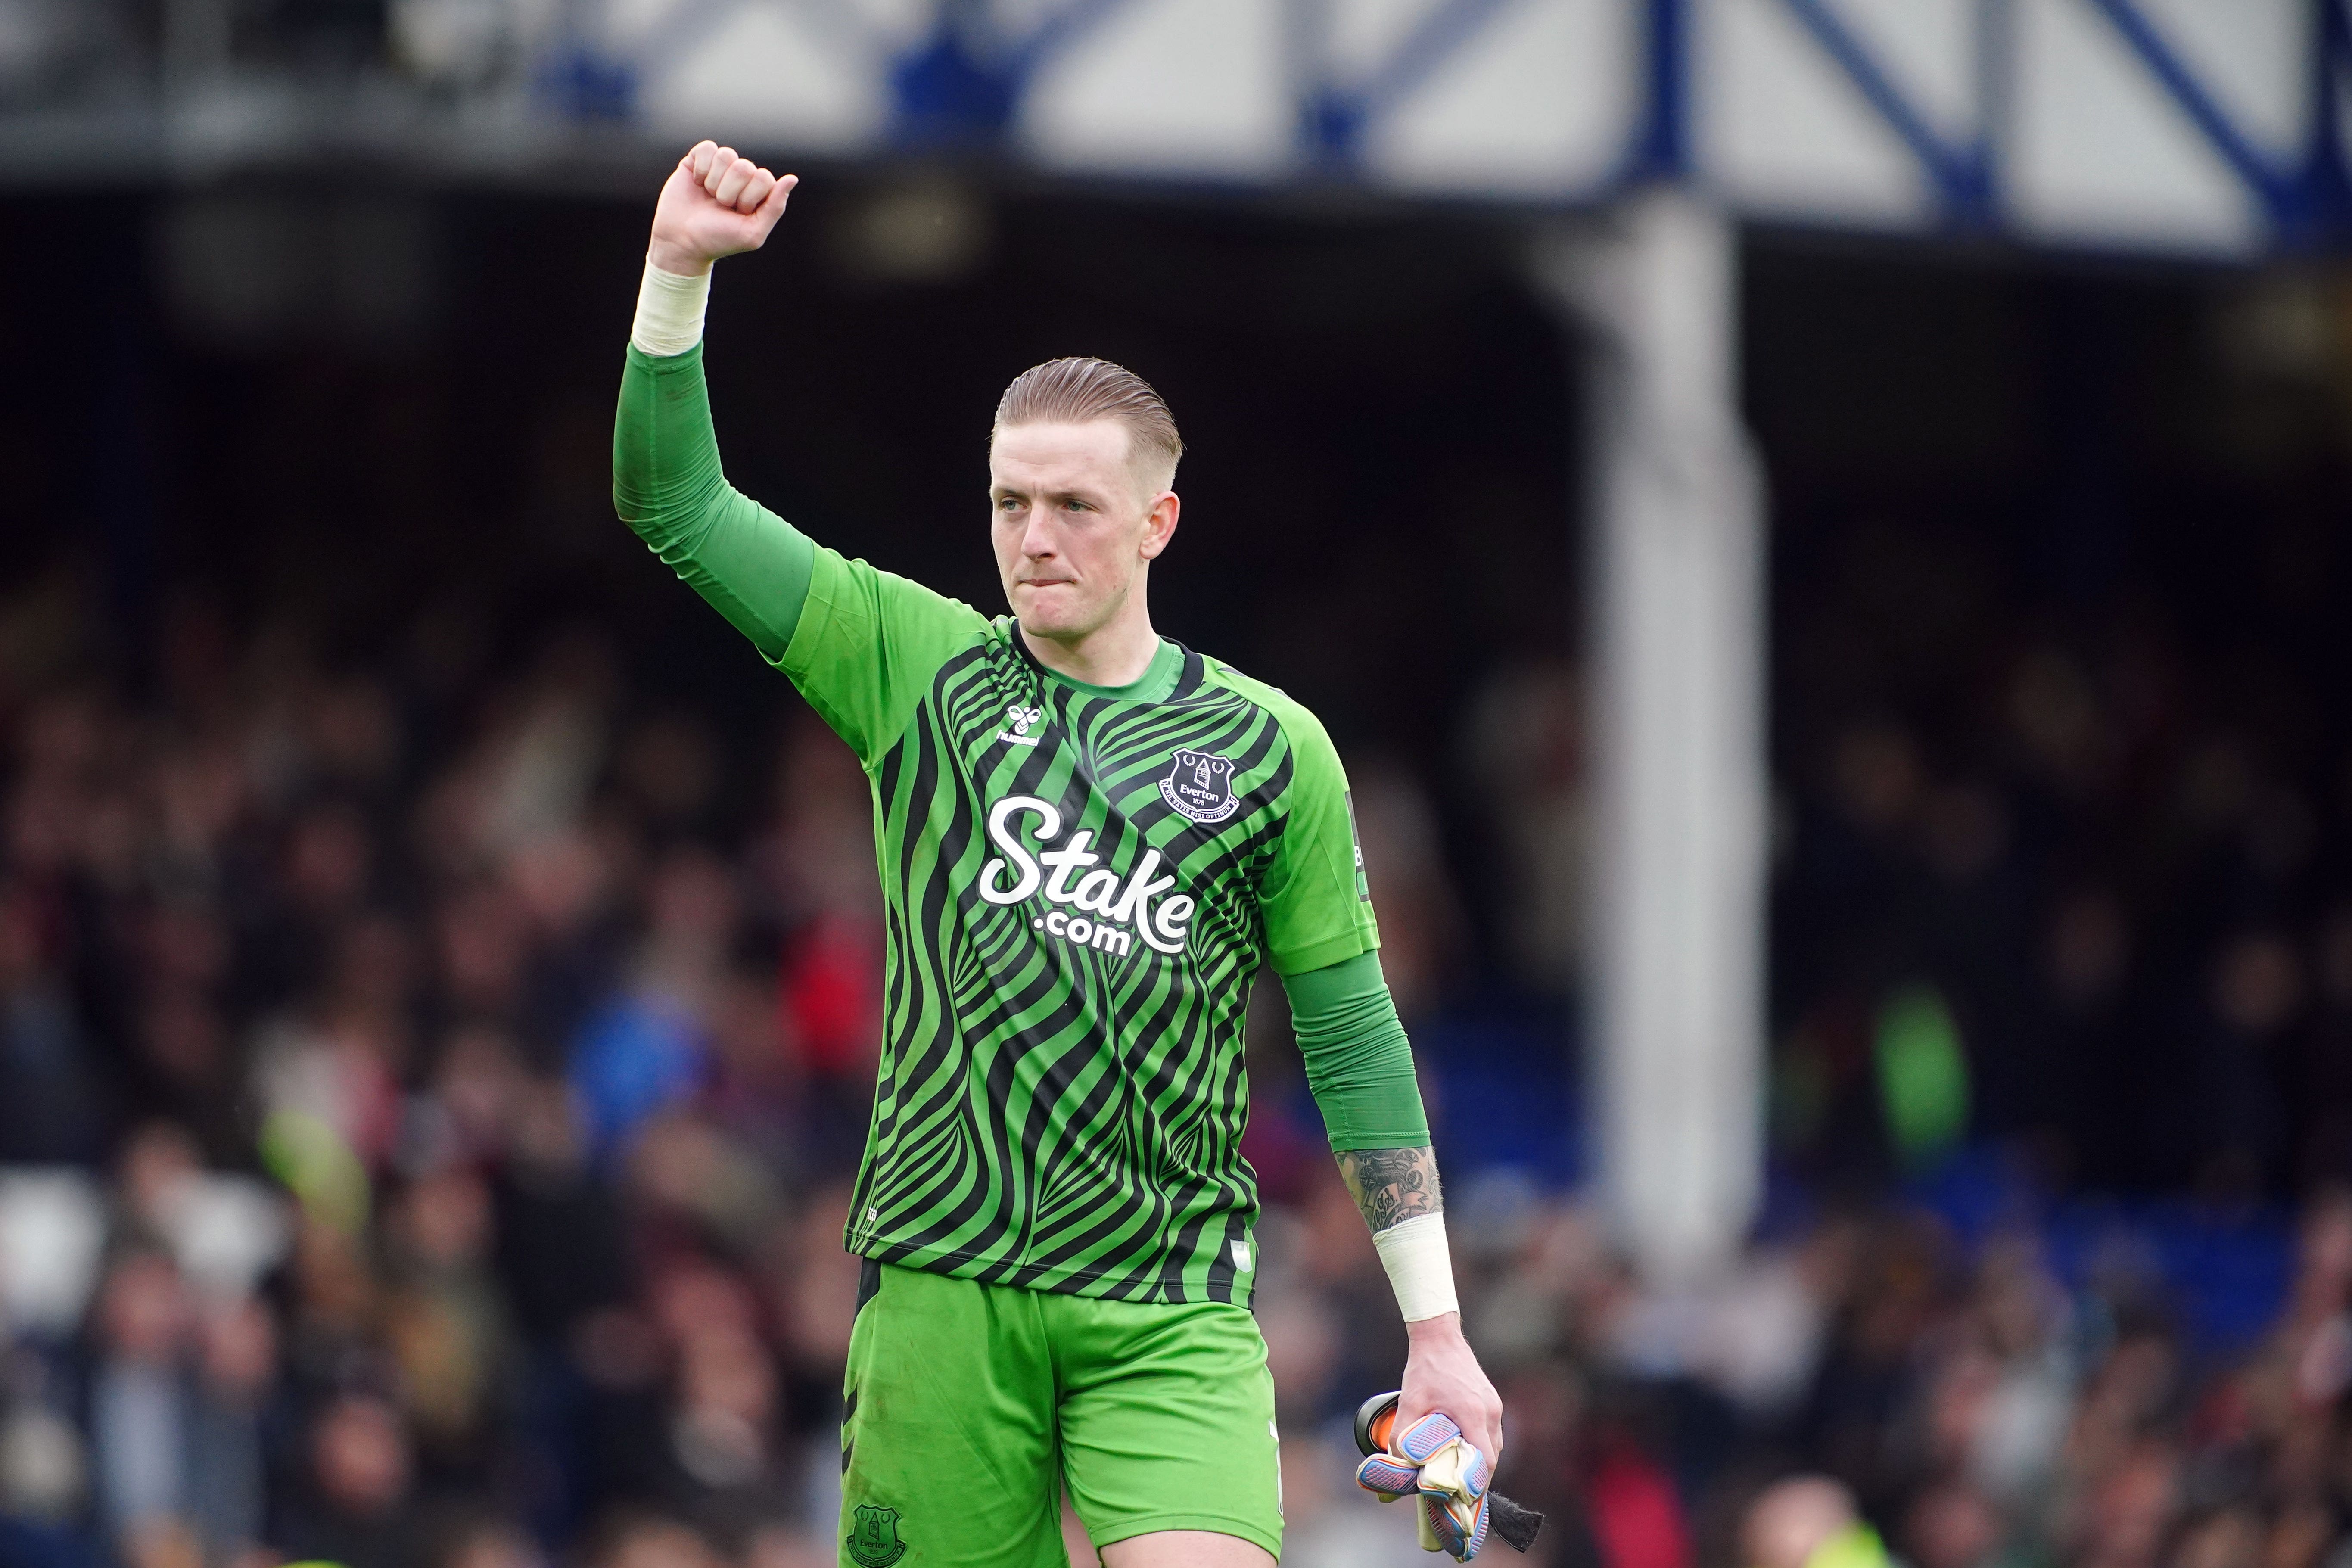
<point x="715" y="204"/>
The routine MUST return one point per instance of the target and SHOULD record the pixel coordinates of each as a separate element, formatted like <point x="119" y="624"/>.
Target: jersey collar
<point x="1155" y="685"/>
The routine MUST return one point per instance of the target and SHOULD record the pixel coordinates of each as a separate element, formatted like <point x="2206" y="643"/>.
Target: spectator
<point x="139" y="1415"/>
<point x="355" y="1506"/>
<point x="1807" y="1522"/>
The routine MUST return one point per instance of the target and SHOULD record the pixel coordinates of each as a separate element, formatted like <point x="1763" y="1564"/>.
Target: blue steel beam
<point x="1661" y="148"/>
<point x="2269" y="183"/>
<point x="953" y="86"/>
<point x="1434" y="40"/>
<point x="962" y="85"/>
<point x="1961" y="175"/>
<point x="2321" y="204"/>
<point x="1332" y="117"/>
<point x="1996" y="81"/>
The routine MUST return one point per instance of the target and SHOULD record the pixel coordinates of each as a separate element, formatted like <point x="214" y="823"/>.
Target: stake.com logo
<point x="1109" y="909"/>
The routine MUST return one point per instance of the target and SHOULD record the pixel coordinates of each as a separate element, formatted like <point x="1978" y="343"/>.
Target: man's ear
<point x="1160" y="524"/>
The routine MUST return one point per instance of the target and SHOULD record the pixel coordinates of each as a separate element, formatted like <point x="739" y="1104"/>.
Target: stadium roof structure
<point x="2172" y="124"/>
<point x="2167" y="126"/>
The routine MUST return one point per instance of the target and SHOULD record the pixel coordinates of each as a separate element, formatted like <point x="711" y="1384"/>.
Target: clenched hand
<point x="716" y="203"/>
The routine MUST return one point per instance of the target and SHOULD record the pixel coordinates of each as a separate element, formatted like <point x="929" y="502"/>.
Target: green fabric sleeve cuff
<point x="1327" y="954"/>
<point x="1358" y="1061"/>
<point x="668" y="486"/>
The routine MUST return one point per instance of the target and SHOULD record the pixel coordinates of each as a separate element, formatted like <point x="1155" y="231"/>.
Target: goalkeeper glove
<point x="1445" y="1476"/>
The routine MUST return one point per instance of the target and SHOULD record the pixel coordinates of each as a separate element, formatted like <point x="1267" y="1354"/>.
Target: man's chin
<point x="1036" y="621"/>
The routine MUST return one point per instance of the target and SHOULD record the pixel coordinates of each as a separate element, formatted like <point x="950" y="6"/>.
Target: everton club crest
<point x="873" y="1536"/>
<point x="1201" y="787"/>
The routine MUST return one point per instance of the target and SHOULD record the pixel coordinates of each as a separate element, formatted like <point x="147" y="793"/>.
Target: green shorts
<point x="968" y="1408"/>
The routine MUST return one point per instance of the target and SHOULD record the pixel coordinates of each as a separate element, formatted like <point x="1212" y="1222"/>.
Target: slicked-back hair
<point x="1080" y="391"/>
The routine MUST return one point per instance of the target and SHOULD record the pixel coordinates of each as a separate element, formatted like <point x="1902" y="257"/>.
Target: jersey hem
<point x="816" y="612"/>
<point x="1358" y="1141"/>
<point x="1065" y="1282"/>
<point x="1215" y="1523"/>
<point x="1322" y="955"/>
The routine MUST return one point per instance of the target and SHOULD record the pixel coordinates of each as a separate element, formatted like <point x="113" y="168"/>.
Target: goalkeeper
<point x="1090" y="837"/>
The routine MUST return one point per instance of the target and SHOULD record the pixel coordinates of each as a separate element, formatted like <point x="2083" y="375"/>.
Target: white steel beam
<point x="1676" y="546"/>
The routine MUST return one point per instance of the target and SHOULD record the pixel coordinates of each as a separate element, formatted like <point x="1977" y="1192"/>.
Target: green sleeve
<point x="1317" y="907"/>
<point x="667" y="485"/>
<point x="861" y="645"/>
<point x="868" y="646"/>
<point x="1359" y="1062"/>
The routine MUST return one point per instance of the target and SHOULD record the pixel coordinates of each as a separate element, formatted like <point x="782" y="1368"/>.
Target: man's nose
<point x="1037" y="539"/>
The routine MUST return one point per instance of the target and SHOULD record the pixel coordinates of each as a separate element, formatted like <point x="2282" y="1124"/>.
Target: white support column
<point x="1676" y="592"/>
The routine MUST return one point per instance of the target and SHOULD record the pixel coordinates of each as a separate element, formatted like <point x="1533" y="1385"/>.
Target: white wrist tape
<point x="669" y="312"/>
<point x="1421" y="1269"/>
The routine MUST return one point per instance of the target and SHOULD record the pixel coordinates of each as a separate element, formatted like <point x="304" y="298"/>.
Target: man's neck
<point x="1115" y="655"/>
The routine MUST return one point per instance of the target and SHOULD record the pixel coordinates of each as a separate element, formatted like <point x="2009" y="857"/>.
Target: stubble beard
<point x="1054" y="628"/>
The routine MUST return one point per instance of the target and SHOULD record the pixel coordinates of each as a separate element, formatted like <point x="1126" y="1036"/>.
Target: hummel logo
<point x="1020" y="718"/>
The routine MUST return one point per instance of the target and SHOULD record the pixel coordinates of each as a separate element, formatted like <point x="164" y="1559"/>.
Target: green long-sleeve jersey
<point x="1079" y="884"/>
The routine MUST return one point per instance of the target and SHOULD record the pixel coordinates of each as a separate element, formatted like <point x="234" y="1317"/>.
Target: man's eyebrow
<point x="1051" y="492"/>
<point x="1100" y="499"/>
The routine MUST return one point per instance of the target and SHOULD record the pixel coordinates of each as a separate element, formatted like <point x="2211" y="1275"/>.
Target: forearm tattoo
<point x="1392" y="1185"/>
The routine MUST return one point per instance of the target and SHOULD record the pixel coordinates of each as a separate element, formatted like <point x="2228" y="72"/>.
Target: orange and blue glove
<point x="1444" y="1473"/>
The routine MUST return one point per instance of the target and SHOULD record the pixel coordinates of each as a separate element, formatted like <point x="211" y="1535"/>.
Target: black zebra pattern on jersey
<point x="1061" y="1097"/>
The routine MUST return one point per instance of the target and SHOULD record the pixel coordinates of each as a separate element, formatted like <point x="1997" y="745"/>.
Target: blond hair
<point x="1080" y="391"/>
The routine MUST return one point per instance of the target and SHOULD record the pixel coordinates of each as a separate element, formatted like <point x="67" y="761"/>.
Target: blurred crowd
<point x="429" y="1090"/>
<point x="2071" y="869"/>
<point x="429" y="1087"/>
<point x="422" y="1142"/>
